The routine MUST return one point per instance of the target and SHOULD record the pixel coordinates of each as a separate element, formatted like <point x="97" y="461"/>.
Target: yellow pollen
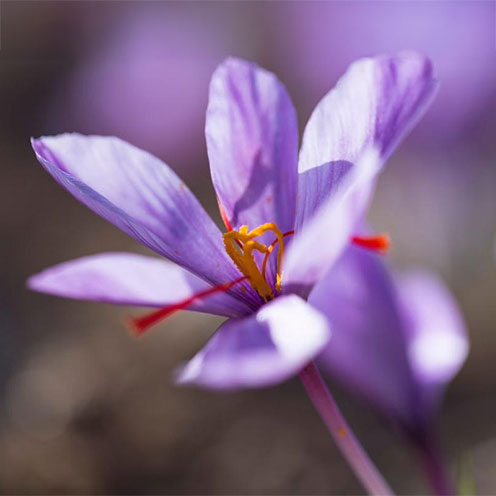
<point x="240" y="246"/>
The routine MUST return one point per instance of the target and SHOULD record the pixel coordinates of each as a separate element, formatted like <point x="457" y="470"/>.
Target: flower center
<point x="241" y="245"/>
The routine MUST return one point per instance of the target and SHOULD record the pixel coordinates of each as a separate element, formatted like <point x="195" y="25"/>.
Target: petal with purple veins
<point x="142" y="196"/>
<point x="252" y="141"/>
<point x="349" y="136"/>
<point x="372" y="106"/>
<point x="130" y="279"/>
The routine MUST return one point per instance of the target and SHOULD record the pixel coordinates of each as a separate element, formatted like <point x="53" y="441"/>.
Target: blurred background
<point x="86" y="409"/>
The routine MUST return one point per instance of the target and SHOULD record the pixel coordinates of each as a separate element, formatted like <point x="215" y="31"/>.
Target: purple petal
<point x="395" y="342"/>
<point x="437" y="340"/>
<point x="349" y="136"/>
<point x="373" y="106"/>
<point x="368" y="350"/>
<point x="142" y="196"/>
<point x="262" y="350"/>
<point x="322" y="240"/>
<point x="252" y="141"/>
<point x="128" y="279"/>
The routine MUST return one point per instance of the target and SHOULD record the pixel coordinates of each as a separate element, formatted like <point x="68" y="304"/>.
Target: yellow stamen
<point x="240" y="246"/>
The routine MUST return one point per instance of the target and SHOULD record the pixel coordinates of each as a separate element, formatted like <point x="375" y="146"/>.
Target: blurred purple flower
<point x="457" y="36"/>
<point x="396" y="341"/>
<point x="146" y="81"/>
<point x="252" y="141"/>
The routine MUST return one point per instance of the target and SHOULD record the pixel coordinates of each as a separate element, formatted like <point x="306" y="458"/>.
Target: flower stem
<point x="349" y="445"/>
<point x="435" y="470"/>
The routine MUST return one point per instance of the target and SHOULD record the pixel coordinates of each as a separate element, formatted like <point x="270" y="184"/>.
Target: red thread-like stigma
<point x="142" y="324"/>
<point x="380" y="243"/>
<point x="224" y="216"/>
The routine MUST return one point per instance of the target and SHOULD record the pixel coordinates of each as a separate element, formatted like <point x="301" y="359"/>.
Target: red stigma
<point x="380" y="243"/>
<point x="142" y="324"/>
<point x="224" y="216"/>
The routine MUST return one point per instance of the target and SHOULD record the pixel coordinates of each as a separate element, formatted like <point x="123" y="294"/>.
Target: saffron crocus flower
<point x="288" y="219"/>
<point x="397" y="342"/>
<point x="251" y="132"/>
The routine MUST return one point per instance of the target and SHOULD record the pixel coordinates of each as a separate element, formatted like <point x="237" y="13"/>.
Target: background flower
<point x="397" y="341"/>
<point x="143" y="76"/>
<point x="457" y="36"/>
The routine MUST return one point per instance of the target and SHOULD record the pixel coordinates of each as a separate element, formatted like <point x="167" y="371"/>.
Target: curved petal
<point x="323" y="238"/>
<point x="142" y="196"/>
<point x="349" y="136"/>
<point x="368" y="351"/>
<point x="261" y="350"/>
<point x="252" y="140"/>
<point x="129" y="279"/>
<point x="437" y="339"/>
<point x="372" y="106"/>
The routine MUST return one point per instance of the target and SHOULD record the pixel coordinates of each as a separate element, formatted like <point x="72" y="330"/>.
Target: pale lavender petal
<point x="252" y="141"/>
<point x="349" y="136"/>
<point x="129" y="279"/>
<point x="437" y="339"/>
<point x="141" y="195"/>
<point x="368" y="351"/>
<point x="262" y="350"/>
<point x="323" y="238"/>
<point x="373" y="106"/>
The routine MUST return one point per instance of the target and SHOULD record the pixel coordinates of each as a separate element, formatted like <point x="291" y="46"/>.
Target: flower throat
<point x="240" y="246"/>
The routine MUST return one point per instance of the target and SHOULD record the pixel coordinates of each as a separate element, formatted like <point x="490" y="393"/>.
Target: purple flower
<point x="397" y="341"/>
<point x="257" y="274"/>
<point x="457" y="36"/>
<point x="146" y="78"/>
